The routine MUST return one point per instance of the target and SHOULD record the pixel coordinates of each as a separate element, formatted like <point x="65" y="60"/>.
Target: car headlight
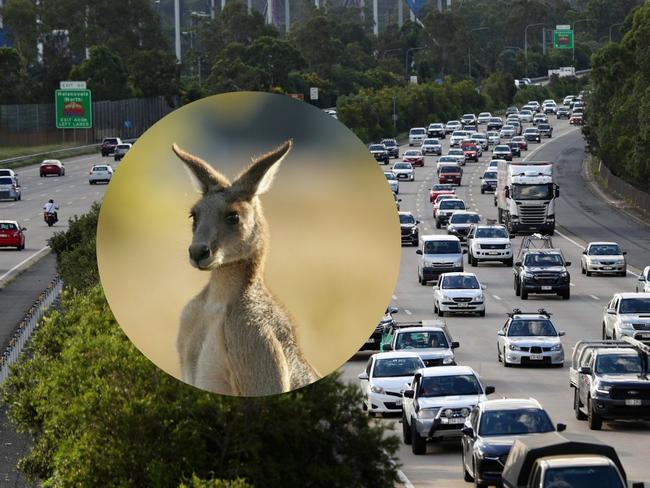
<point x="526" y="274"/>
<point x="448" y="412"/>
<point x="447" y="360"/>
<point x="626" y="325"/>
<point x="514" y="347"/>
<point x="376" y="389"/>
<point x="479" y="298"/>
<point x="603" y="389"/>
<point x="564" y="274"/>
<point x="620" y="261"/>
<point x="556" y="347"/>
<point x="459" y="263"/>
<point x="428" y="413"/>
<point x="508" y="245"/>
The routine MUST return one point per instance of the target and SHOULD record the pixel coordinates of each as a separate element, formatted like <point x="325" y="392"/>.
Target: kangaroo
<point x="235" y="337"/>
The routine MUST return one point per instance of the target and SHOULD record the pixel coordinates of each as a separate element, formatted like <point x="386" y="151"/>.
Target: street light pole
<point x="469" y="53"/>
<point x="573" y="51"/>
<point x="406" y="61"/>
<point x="610" y="30"/>
<point x="526" y="45"/>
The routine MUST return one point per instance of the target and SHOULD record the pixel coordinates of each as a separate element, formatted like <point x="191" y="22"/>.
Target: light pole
<point x="469" y="53"/>
<point x="573" y="52"/>
<point x="610" y="30"/>
<point x="406" y="61"/>
<point x="526" y="45"/>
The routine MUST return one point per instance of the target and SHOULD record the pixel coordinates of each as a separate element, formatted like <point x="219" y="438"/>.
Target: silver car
<point x="392" y="181"/>
<point x="100" y="172"/>
<point x="9" y="188"/>
<point x="529" y="339"/>
<point x="603" y="257"/>
<point x="403" y="171"/>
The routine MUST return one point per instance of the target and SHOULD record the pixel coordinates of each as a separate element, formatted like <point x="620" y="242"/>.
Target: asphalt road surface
<point x="582" y="216"/>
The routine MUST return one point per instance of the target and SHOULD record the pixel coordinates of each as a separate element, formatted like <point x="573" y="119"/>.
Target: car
<point x="99" y="173"/>
<point x="373" y="343"/>
<point x="12" y="234"/>
<point x="437" y="130"/>
<point x="431" y="146"/>
<point x="540" y="118"/>
<point x="380" y="153"/>
<point x="450" y="174"/>
<point x="493" y="164"/>
<point x="562" y="112"/>
<point x="522" y="82"/>
<point x="51" y="167"/>
<point x="438" y="254"/>
<point x="627" y="314"/>
<point x="417" y="135"/>
<point x="535" y="104"/>
<point x="429" y="339"/>
<point x="397" y="200"/>
<point x="413" y="156"/>
<point x="409" y="228"/>
<point x="440" y="189"/>
<point x="603" y="257"/>
<point x="549" y="108"/>
<point x="403" y="171"/>
<point x="392" y="147"/>
<point x="516" y="125"/>
<point x="453" y="125"/>
<point x="493" y="137"/>
<point x="108" y="145"/>
<point x="385" y="376"/>
<point x="490" y="431"/>
<point x="488" y="242"/>
<point x="542" y="271"/>
<point x="470" y="150"/>
<point x="488" y="181"/>
<point x="458" y="154"/>
<point x="576" y="119"/>
<point x="526" y="115"/>
<point x="9" y="172"/>
<point x="446" y="208"/>
<point x="457" y="137"/>
<point x="494" y="123"/>
<point x="460" y="221"/>
<point x="440" y="198"/>
<point x="533" y="134"/>
<point x="545" y="129"/>
<point x="521" y="140"/>
<point x="515" y="148"/>
<point x="120" y="151"/>
<point x="643" y="281"/>
<point x="483" y="117"/>
<point x="507" y="132"/>
<point x="458" y="293"/>
<point x="10" y="189"/>
<point x="502" y="151"/>
<point x="512" y="110"/>
<point x="392" y="181"/>
<point x="568" y="99"/>
<point x="480" y="140"/>
<point x="530" y="338"/>
<point x="468" y="119"/>
<point x="437" y="403"/>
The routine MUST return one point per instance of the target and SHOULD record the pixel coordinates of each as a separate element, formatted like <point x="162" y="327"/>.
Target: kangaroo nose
<point x="199" y="252"/>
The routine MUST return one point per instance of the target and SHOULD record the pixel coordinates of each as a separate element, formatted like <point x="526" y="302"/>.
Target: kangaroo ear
<point x="204" y="177"/>
<point x="257" y="178"/>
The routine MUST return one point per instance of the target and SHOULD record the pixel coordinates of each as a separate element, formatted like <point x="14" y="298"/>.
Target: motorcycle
<point x="50" y="219"/>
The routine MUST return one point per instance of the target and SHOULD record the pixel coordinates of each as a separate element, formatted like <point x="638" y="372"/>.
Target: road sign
<point x="563" y="39"/>
<point x="313" y="93"/>
<point x="563" y="27"/>
<point x="74" y="109"/>
<point x="72" y="85"/>
<point x="414" y="80"/>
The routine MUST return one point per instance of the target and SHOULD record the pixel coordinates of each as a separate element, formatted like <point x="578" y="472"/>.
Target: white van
<point x="438" y="254"/>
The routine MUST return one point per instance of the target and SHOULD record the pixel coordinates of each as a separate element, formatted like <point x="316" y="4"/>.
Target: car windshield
<point x="531" y="327"/>
<point x="393" y="367"/>
<point x="442" y="247"/>
<point x="515" y="422"/>
<point x="544" y="260"/>
<point x="390" y="176"/>
<point x="605" y="250"/>
<point x="532" y="192"/>
<point x="618" y="364"/>
<point x="100" y="168"/>
<point x="502" y="149"/>
<point x="412" y="153"/>
<point x="455" y="204"/>
<point x="431" y="141"/>
<point x="389" y="143"/>
<point x="465" y="219"/>
<point x="376" y="147"/>
<point x="5" y="172"/>
<point x="402" y="166"/>
<point x="455" y="152"/>
<point x="460" y="282"/>
<point x="531" y="131"/>
<point x="123" y="146"/>
<point x="450" y="169"/>
<point x="406" y="219"/>
<point x="417" y="131"/>
<point x="421" y="340"/>
<point x="437" y="386"/>
<point x="634" y="305"/>
<point x="443" y="187"/>
<point x="582" y="477"/>
<point x="490" y="175"/>
<point x="447" y="159"/>
<point x="7" y="226"/>
<point x="491" y="232"/>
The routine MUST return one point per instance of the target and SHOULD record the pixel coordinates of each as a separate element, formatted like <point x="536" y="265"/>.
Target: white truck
<point x="563" y="71"/>
<point x="526" y="194"/>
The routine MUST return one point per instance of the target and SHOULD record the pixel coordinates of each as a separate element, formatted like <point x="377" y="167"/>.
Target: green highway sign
<point x="563" y="39"/>
<point x="74" y="109"/>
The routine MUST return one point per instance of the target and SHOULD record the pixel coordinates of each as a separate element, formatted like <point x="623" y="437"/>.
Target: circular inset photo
<point x="248" y="244"/>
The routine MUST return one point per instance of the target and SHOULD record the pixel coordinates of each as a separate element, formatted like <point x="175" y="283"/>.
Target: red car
<point x="413" y="156"/>
<point x="576" y="119"/>
<point x="11" y="234"/>
<point x="470" y="150"/>
<point x="52" y="167"/>
<point x="450" y="174"/>
<point x="523" y="144"/>
<point x="440" y="189"/>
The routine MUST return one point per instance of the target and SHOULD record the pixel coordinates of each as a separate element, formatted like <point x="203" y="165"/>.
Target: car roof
<point x="461" y="273"/>
<point x="631" y="294"/>
<point x="543" y="251"/>
<point x="446" y="371"/>
<point x="405" y="213"/>
<point x="428" y="328"/>
<point x="603" y="243"/>
<point x="576" y="460"/>
<point x="440" y="237"/>
<point x="8" y="222"/>
<point x="395" y="354"/>
<point x="464" y="212"/>
<point x="50" y="161"/>
<point x="531" y="315"/>
<point x="623" y="350"/>
<point x="509" y="403"/>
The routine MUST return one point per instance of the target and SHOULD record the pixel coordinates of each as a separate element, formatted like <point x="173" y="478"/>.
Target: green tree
<point x="13" y="76"/>
<point x="153" y="73"/>
<point x="105" y="74"/>
<point x="196" y="482"/>
<point x="277" y="57"/>
<point x="19" y="20"/>
<point x="500" y="89"/>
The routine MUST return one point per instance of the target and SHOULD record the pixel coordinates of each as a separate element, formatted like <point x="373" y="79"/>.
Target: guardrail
<point x="28" y="325"/>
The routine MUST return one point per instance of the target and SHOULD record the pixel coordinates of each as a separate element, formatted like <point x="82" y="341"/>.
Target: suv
<point x="120" y="151"/>
<point x="562" y="112"/>
<point x="495" y="123"/>
<point x="431" y="146"/>
<point x="488" y="243"/>
<point x="448" y="207"/>
<point x="438" y="254"/>
<point x="392" y="147"/>
<point x="437" y="130"/>
<point x="437" y="403"/>
<point x="9" y="188"/>
<point x="460" y="222"/>
<point x="108" y="145"/>
<point x="542" y="271"/>
<point x="609" y="381"/>
<point x="409" y="228"/>
<point x="627" y="314"/>
<point x="380" y="153"/>
<point x="417" y="135"/>
<point x="545" y="129"/>
<point x="429" y="339"/>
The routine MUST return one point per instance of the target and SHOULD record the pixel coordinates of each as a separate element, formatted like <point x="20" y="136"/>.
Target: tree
<point x="499" y="88"/>
<point x="105" y="74"/>
<point x="153" y="73"/>
<point x="13" y="76"/>
<point x="19" y="19"/>
<point x="277" y="57"/>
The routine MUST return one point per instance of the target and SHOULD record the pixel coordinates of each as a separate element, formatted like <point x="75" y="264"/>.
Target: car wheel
<point x="482" y="191"/>
<point x="418" y="443"/>
<point x="508" y="262"/>
<point x="594" y="420"/>
<point x="623" y="273"/>
<point x="437" y="224"/>
<point x="567" y="294"/>
<point x="474" y="262"/>
<point x="517" y="289"/>
<point x="406" y="430"/>
<point x="587" y="272"/>
<point x="441" y="313"/>
<point x="481" y="313"/>
<point x="582" y="269"/>
<point x="604" y="334"/>
<point x="524" y="293"/>
<point x="576" y="406"/>
<point x="476" y="483"/>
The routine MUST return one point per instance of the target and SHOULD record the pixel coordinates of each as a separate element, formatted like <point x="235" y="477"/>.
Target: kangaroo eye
<point x="232" y="219"/>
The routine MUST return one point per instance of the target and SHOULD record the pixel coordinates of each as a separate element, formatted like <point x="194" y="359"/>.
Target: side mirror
<point x="584" y="252"/>
<point x="585" y="370"/>
<point x="409" y="393"/>
<point x="363" y="376"/>
<point x="468" y="431"/>
<point x="483" y="287"/>
<point x="567" y="263"/>
<point x="399" y="199"/>
<point x="641" y="278"/>
<point x="501" y="333"/>
<point x="417" y="221"/>
<point x="23" y="228"/>
<point x="561" y="333"/>
<point x="638" y="484"/>
<point x="393" y="310"/>
<point x="611" y="311"/>
<point x="560" y="427"/>
<point x="436" y="287"/>
<point x="455" y="344"/>
<point x="624" y="253"/>
<point x="489" y="390"/>
<point x="518" y="264"/>
<point x="419" y="251"/>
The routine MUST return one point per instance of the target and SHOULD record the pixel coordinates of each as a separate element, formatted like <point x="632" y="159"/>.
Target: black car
<point x="545" y="129"/>
<point x="409" y="228"/>
<point x="515" y="148"/>
<point x="437" y="130"/>
<point x="380" y="153"/>
<point x="108" y="145"/>
<point x="495" y="123"/>
<point x="374" y="341"/>
<point x="491" y="429"/>
<point x="532" y="134"/>
<point x="392" y="147"/>
<point x="563" y="112"/>
<point x="542" y="271"/>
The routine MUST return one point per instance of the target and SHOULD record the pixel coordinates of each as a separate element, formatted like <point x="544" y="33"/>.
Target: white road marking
<point x="496" y="297"/>
<point x="408" y="312"/>
<point x="572" y="284"/>
<point x="23" y="262"/>
<point x="405" y="481"/>
<point x="594" y="297"/>
<point x="69" y="203"/>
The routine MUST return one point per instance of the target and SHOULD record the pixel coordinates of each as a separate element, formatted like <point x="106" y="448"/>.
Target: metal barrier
<point x="28" y="325"/>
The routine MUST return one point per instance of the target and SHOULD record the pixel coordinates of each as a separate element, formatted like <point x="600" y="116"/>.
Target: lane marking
<point x="496" y="297"/>
<point x="572" y="284"/>
<point x="594" y="297"/>
<point x="23" y="262"/>
<point x="408" y="312"/>
<point x="405" y="481"/>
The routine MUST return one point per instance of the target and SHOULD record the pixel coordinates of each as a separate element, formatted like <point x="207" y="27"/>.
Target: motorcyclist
<point x="51" y="208"/>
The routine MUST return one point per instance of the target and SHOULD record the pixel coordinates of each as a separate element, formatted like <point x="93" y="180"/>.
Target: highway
<point x="582" y="216"/>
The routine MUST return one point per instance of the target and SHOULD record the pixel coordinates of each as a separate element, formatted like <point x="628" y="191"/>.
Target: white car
<point x="417" y="135"/>
<point x="530" y="338"/>
<point x="483" y="117"/>
<point x="387" y="374"/>
<point x="526" y="115"/>
<point x="392" y="181"/>
<point x="481" y="140"/>
<point x="493" y="137"/>
<point x="603" y="257"/>
<point x="493" y="164"/>
<point x="431" y="146"/>
<point x="457" y="137"/>
<point x="453" y="125"/>
<point x="100" y="172"/>
<point x="627" y="314"/>
<point x="403" y="171"/>
<point x="431" y="341"/>
<point x="447" y="161"/>
<point x="459" y="154"/>
<point x="643" y="282"/>
<point x="534" y="104"/>
<point x="487" y="242"/>
<point x="507" y="132"/>
<point x="460" y="293"/>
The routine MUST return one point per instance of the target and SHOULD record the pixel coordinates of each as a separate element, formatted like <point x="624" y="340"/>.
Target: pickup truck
<point x="609" y="381"/>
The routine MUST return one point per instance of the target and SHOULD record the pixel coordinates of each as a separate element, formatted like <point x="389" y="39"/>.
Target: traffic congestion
<point x="492" y="275"/>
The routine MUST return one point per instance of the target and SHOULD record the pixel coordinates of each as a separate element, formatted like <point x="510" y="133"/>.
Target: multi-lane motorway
<point x="582" y="216"/>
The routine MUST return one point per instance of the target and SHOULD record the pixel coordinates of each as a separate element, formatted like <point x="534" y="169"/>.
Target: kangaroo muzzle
<point x="200" y="255"/>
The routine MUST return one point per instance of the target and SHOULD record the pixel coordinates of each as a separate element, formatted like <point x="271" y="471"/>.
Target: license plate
<point x="643" y="336"/>
<point x="547" y="287"/>
<point x="493" y="252"/>
<point x="462" y="304"/>
<point x="536" y="357"/>
<point x="607" y="267"/>
<point x="635" y="402"/>
<point x="398" y="403"/>
<point x="457" y="420"/>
